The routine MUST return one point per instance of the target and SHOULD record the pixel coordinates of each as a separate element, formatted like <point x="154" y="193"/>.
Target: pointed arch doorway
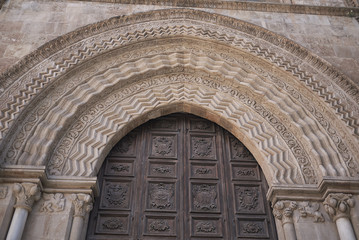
<point x="181" y="177"/>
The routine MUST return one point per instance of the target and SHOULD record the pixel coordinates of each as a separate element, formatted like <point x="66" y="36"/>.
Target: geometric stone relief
<point x="221" y="20"/>
<point x="59" y="160"/>
<point x="288" y="137"/>
<point x="285" y="64"/>
<point x="53" y="203"/>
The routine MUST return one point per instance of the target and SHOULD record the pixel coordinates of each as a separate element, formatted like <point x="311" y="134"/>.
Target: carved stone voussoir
<point x="53" y="203"/>
<point x="26" y="194"/>
<point x="338" y="205"/>
<point x="82" y="204"/>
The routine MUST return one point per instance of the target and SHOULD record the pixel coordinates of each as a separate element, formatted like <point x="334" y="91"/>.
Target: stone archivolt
<point x="310" y="123"/>
<point x="233" y="32"/>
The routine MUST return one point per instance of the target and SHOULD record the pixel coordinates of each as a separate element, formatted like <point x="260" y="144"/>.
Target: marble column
<point x="338" y="206"/>
<point x="82" y="204"/>
<point x="26" y="194"/>
<point x="283" y="210"/>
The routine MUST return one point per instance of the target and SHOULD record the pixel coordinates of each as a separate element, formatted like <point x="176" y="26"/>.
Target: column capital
<point x="283" y="210"/>
<point x="82" y="204"/>
<point x="26" y="194"/>
<point x="338" y="205"/>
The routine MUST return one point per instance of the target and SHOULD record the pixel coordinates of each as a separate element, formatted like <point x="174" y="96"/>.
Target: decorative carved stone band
<point x="82" y="204"/>
<point x="26" y="194"/>
<point x="247" y="6"/>
<point x="338" y="206"/>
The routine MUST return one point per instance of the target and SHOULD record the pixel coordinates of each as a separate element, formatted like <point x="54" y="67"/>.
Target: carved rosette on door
<point x="181" y="177"/>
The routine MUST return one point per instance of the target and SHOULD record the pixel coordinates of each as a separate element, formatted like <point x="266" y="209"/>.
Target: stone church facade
<point x="77" y="76"/>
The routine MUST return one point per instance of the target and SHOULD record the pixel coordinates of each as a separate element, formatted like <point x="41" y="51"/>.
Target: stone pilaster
<point x="338" y="206"/>
<point x="82" y="204"/>
<point x="26" y="194"/>
<point x="283" y="210"/>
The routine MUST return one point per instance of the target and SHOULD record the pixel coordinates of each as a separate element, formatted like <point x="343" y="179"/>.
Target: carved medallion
<point x="116" y="195"/>
<point x="245" y="172"/>
<point x="203" y="171"/>
<point x="204" y="197"/>
<point x="120" y="168"/>
<point x="126" y="145"/>
<point x="202" y="147"/>
<point x="161" y="195"/>
<point x="163" y="146"/>
<point x="247" y="198"/>
<point x="162" y="170"/>
<point x="205" y="227"/>
<point x="252" y="228"/>
<point x="239" y="151"/>
<point x="159" y="226"/>
<point x="113" y="224"/>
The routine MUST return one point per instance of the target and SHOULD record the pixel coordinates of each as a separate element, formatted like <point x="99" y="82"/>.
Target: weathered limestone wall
<point x="26" y="25"/>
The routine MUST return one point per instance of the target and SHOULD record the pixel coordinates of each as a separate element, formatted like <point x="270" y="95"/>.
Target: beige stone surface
<point x="25" y="25"/>
<point x="7" y="202"/>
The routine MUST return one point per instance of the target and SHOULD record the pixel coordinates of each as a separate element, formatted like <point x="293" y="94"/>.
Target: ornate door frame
<point x="66" y="104"/>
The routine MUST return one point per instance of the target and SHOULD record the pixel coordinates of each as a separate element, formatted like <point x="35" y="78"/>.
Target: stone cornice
<point x="246" y="6"/>
<point x="313" y="192"/>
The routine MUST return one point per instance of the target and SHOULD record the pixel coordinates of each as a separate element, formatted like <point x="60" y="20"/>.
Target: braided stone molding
<point x="212" y="65"/>
<point x="338" y="205"/>
<point x="87" y="152"/>
<point x="20" y="97"/>
<point x="82" y="204"/>
<point x="26" y="194"/>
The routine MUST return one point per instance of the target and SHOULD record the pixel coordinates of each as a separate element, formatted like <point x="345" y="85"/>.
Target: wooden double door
<point x="181" y="177"/>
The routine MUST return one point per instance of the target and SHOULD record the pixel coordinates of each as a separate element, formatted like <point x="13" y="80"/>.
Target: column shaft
<point x="345" y="229"/>
<point x="76" y="229"/>
<point x="17" y="224"/>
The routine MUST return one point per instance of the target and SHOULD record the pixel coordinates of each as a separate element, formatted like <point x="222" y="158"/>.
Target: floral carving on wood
<point x="117" y="194"/>
<point x="161" y="195"/>
<point x="204" y="197"/>
<point x="205" y="227"/>
<point x="113" y="224"/>
<point x="159" y="226"/>
<point x="120" y="168"/>
<point x="163" y="145"/>
<point x="247" y="198"/>
<point x="252" y="228"/>
<point x="202" y="147"/>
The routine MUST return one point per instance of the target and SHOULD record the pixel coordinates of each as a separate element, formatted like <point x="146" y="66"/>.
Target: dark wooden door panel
<point x="181" y="177"/>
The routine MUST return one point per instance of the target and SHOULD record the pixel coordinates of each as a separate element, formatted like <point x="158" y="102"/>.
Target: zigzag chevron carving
<point x="14" y="101"/>
<point x="86" y="151"/>
<point x="39" y="143"/>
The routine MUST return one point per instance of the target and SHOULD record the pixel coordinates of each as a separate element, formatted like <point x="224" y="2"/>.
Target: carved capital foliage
<point x="310" y="209"/>
<point x="82" y="204"/>
<point x="283" y="210"/>
<point x="26" y="194"/>
<point x="53" y="203"/>
<point x="338" y="205"/>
